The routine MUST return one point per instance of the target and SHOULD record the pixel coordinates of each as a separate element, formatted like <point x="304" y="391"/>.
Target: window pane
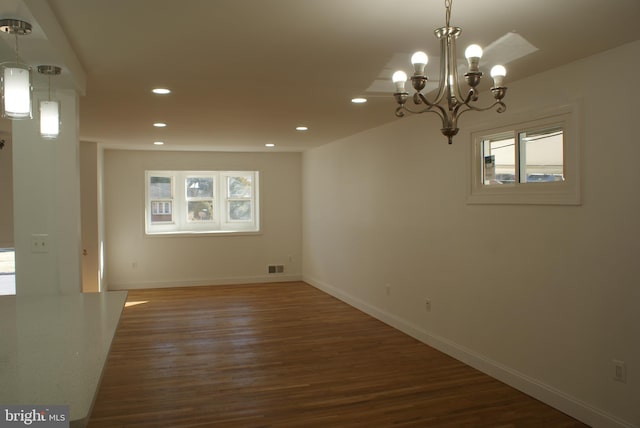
<point x="499" y="158"/>
<point x="240" y="210"/>
<point x="200" y="210"/>
<point x="239" y="187"/>
<point x="160" y="187"/>
<point x="541" y="155"/>
<point x="161" y="212"/>
<point x="199" y="187"/>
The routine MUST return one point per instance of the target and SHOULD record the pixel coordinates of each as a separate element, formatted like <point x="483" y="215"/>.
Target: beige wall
<point x="134" y="260"/>
<point x="90" y="216"/>
<point x="543" y="297"/>
<point x="6" y="192"/>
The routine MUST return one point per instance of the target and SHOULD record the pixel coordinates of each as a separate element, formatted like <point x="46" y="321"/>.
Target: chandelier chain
<point x="447" y="5"/>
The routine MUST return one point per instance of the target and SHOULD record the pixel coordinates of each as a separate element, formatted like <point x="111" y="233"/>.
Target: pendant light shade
<point x="16" y="91"/>
<point x="49" y="109"/>
<point x="49" y="119"/>
<point x="16" y="77"/>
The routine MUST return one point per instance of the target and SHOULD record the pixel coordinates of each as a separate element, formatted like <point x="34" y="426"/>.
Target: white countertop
<point x="53" y="349"/>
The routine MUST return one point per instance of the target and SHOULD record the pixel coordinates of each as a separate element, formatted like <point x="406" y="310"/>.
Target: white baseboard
<point x="202" y="282"/>
<point x="560" y="400"/>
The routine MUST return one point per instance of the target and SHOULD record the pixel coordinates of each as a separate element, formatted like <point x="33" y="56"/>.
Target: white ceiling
<point x="247" y="72"/>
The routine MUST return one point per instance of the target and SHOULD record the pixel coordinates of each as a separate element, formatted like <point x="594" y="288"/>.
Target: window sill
<point x="527" y="194"/>
<point x="185" y="234"/>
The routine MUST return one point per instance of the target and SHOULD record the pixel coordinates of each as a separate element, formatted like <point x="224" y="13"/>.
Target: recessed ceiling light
<point x="302" y="128"/>
<point x="359" y="100"/>
<point x="158" y="143"/>
<point x="161" y="91"/>
<point x="159" y="125"/>
<point x="269" y="145"/>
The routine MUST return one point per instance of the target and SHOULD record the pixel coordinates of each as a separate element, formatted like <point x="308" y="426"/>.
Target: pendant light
<point x="49" y="109"/>
<point x="16" y="77"/>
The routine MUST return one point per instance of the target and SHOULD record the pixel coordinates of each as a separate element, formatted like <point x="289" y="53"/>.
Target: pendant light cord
<point x="17" y="48"/>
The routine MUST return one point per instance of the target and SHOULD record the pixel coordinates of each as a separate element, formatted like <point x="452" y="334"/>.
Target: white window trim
<point x="565" y="192"/>
<point x="220" y="224"/>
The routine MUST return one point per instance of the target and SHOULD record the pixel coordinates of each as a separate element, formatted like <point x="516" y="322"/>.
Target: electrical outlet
<point x="427" y="305"/>
<point x="387" y="288"/>
<point x="619" y="371"/>
<point x="39" y="243"/>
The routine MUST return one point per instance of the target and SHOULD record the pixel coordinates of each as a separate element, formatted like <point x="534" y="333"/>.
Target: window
<point x="201" y="202"/>
<point x="533" y="162"/>
<point x="160" y="192"/>
<point x="533" y="156"/>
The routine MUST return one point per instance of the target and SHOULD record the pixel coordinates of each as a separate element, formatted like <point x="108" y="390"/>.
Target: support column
<point x="46" y="189"/>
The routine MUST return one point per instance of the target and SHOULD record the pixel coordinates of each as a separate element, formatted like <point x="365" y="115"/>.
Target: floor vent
<point x="276" y="268"/>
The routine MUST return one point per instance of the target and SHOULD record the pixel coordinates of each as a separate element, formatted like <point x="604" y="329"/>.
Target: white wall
<point x="6" y="192"/>
<point x="543" y="297"/>
<point x="134" y="260"/>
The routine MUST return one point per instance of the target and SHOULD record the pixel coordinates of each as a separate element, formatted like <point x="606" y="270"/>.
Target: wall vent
<point x="276" y="268"/>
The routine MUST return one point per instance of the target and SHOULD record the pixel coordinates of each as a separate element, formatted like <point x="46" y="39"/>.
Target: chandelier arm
<point x="449" y="117"/>
<point x="439" y="109"/>
<point x="458" y="111"/>
<point x="433" y="108"/>
<point x="472" y="96"/>
<point x="501" y="107"/>
<point x="424" y="99"/>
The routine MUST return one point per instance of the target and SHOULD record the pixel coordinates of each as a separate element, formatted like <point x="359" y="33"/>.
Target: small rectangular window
<point x="530" y="162"/>
<point x="536" y="156"/>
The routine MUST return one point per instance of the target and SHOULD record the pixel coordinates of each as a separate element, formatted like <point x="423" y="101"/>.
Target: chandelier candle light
<point x="49" y="109"/>
<point x="16" y="77"/>
<point x="449" y="104"/>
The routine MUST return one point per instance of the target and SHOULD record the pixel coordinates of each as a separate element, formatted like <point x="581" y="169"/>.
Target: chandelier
<point x="449" y="103"/>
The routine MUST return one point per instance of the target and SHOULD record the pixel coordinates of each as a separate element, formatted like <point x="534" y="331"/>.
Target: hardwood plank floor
<point x="289" y="355"/>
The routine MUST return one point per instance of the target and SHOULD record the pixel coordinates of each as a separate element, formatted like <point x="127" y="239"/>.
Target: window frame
<point x="565" y="192"/>
<point x="182" y="224"/>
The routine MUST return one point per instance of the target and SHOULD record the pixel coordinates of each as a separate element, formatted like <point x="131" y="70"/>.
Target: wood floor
<point x="288" y="355"/>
